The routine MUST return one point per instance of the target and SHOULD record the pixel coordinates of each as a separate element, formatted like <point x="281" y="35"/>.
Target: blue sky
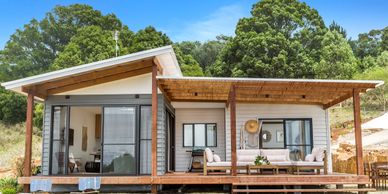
<point x="195" y="19"/>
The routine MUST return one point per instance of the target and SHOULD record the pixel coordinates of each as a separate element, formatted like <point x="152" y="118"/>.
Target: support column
<point x="28" y="143"/>
<point x="358" y="131"/>
<point x="154" y="132"/>
<point x="233" y="129"/>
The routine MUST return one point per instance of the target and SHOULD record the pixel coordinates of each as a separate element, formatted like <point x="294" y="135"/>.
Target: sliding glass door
<point x="298" y="137"/>
<point x="119" y="140"/>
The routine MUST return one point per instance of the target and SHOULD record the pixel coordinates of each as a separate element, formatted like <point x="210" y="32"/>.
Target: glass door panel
<point x="145" y="139"/>
<point x="119" y="140"/>
<point x="59" y="132"/>
<point x="298" y="138"/>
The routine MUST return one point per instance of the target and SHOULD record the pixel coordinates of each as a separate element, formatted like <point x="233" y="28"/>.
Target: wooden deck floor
<point x="197" y="178"/>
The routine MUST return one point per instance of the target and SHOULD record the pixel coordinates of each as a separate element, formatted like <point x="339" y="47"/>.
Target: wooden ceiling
<point x="323" y="93"/>
<point x="99" y="76"/>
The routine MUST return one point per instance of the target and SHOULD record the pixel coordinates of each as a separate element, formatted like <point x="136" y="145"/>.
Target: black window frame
<point x="283" y="121"/>
<point x="206" y="138"/>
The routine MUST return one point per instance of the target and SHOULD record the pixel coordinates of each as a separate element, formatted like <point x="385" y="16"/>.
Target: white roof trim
<point x="377" y="82"/>
<point x="92" y="66"/>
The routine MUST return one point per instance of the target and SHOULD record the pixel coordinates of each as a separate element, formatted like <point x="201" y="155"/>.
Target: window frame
<point x="193" y="138"/>
<point x="283" y="121"/>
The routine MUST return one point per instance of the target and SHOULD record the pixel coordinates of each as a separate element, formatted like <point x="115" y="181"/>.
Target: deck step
<point x="302" y="190"/>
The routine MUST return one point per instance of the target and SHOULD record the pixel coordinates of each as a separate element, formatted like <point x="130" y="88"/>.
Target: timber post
<point x="358" y="131"/>
<point x="233" y="129"/>
<point x="28" y="142"/>
<point x="154" y="125"/>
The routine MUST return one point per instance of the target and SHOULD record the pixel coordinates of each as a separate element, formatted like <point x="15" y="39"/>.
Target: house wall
<point x="245" y="112"/>
<point x="197" y="115"/>
<point x="90" y="100"/>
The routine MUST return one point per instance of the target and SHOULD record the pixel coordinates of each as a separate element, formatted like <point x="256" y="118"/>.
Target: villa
<point x="137" y="123"/>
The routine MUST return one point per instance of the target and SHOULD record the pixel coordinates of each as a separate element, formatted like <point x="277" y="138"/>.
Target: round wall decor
<point x="266" y="136"/>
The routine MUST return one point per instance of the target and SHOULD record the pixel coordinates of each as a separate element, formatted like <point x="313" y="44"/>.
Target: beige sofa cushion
<point x="276" y="154"/>
<point x="276" y="158"/>
<point x="248" y="155"/>
<point x="304" y="163"/>
<point x="219" y="164"/>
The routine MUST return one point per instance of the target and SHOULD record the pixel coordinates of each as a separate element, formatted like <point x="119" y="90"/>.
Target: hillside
<point x="12" y="146"/>
<point x="342" y="144"/>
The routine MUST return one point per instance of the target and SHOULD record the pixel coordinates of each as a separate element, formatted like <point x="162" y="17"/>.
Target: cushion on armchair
<point x="309" y="158"/>
<point x="209" y="155"/>
<point x="319" y="154"/>
<point x="216" y="158"/>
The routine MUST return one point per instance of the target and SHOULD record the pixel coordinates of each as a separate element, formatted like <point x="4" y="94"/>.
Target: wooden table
<point x="274" y="168"/>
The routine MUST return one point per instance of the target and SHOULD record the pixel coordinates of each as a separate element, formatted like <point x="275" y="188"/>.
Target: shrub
<point x="9" y="186"/>
<point x="9" y="191"/>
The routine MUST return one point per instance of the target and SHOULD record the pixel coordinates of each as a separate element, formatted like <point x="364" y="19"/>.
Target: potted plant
<point x="261" y="160"/>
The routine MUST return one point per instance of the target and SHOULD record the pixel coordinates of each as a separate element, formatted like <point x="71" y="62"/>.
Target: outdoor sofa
<point x="279" y="157"/>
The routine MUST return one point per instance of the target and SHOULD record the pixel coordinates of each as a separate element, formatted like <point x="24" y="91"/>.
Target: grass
<point x="12" y="138"/>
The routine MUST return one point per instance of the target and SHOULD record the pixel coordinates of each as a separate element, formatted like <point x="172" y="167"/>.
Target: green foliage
<point x="378" y="98"/>
<point x="337" y="59"/>
<point x="188" y="64"/>
<point x="261" y="160"/>
<point x="12" y="107"/>
<point x="372" y="43"/>
<point x="281" y="39"/>
<point x="38" y="116"/>
<point x="33" y="49"/>
<point x="204" y="53"/>
<point x="336" y="27"/>
<point x="90" y="44"/>
<point x="148" y="38"/>
<point x="9" y="186"/>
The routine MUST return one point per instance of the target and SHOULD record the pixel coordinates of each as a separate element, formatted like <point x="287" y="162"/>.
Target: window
<point x="200" y="135"/>
<point x="293" y="134"/>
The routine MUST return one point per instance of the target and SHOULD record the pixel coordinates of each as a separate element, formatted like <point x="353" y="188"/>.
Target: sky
<point x="194" y="19"/>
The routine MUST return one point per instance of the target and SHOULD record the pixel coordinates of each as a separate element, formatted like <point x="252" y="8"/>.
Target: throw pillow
<point x="309" y="158"/>
<point x="216" y="158"/>
<point x="319" y="154"/>
<point x="209" y="155"/>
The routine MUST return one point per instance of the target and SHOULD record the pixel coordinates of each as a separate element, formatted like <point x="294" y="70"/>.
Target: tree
<point x="33" y="49"/>
<point x="371" y="43"/>
<point x="12" y="107"/>
<point x="377" y="98"/>
<point x="337" y="59"/>
<point x="189" y="66"/>
<point x="281" y="39"/>
<point x="204" y="53"/>
<point x="90" y="44"/>
<point x="148" y="38"/>
<point x="336" y="27"/>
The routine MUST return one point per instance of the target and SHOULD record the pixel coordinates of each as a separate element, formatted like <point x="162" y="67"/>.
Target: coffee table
<point x="259" y="168"/>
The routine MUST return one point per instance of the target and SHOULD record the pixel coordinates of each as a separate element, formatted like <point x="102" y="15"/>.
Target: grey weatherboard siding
<point x="90" y="100"/>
